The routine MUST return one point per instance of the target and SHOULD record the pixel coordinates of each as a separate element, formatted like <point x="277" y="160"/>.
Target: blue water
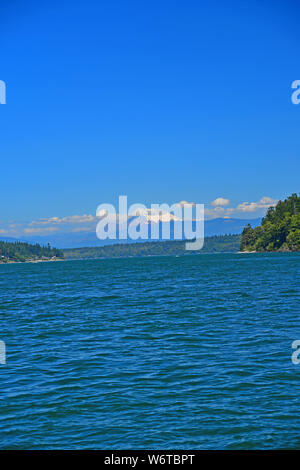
<point x="161" y="352"/>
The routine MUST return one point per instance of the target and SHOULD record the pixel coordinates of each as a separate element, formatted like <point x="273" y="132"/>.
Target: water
<point x="152" y="353"/>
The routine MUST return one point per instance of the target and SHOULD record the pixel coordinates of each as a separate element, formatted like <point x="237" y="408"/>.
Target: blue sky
<point x="162" y="101"/>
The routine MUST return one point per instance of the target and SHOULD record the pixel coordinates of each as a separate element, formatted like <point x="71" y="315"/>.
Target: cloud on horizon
<point x="87" y="222"/>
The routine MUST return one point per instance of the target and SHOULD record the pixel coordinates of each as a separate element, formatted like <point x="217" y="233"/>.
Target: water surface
<point x="152" y="353"/>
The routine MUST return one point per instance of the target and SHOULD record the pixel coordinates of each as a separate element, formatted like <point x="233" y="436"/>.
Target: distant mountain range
<point x="219" y="226"/>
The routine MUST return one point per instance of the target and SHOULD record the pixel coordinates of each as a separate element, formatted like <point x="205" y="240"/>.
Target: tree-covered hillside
<point x="20" y="251"/>
<point x="279" y="230"/>
<point x="216" y="244"/>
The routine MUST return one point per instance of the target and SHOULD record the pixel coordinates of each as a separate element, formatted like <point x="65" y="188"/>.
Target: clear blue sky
<point x="158" y="100"/>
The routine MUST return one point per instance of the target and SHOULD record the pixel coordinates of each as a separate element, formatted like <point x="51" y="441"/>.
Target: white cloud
<point x="40" y="231"/>
<point x="220" y="201"/>
<point x="73" y="219"/>
<point x="264" y="203"/>
<point x="185" y="203"/>
<point x="241" y="209"/>
<point x="268" y="200"/>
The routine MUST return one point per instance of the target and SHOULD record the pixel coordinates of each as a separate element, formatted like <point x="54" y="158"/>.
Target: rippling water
<point x="188" y="353"/>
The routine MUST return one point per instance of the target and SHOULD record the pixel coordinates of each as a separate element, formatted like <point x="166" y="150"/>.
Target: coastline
<point x="31" y="261"/>
<point x="142" y="256"/>
<point x="270" y="251"/>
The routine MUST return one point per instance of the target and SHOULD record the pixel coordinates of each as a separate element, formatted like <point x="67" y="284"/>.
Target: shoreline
<point x="31" y="261"/>
<point x="273" y="251"/>
<point x="142" y="256"/>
